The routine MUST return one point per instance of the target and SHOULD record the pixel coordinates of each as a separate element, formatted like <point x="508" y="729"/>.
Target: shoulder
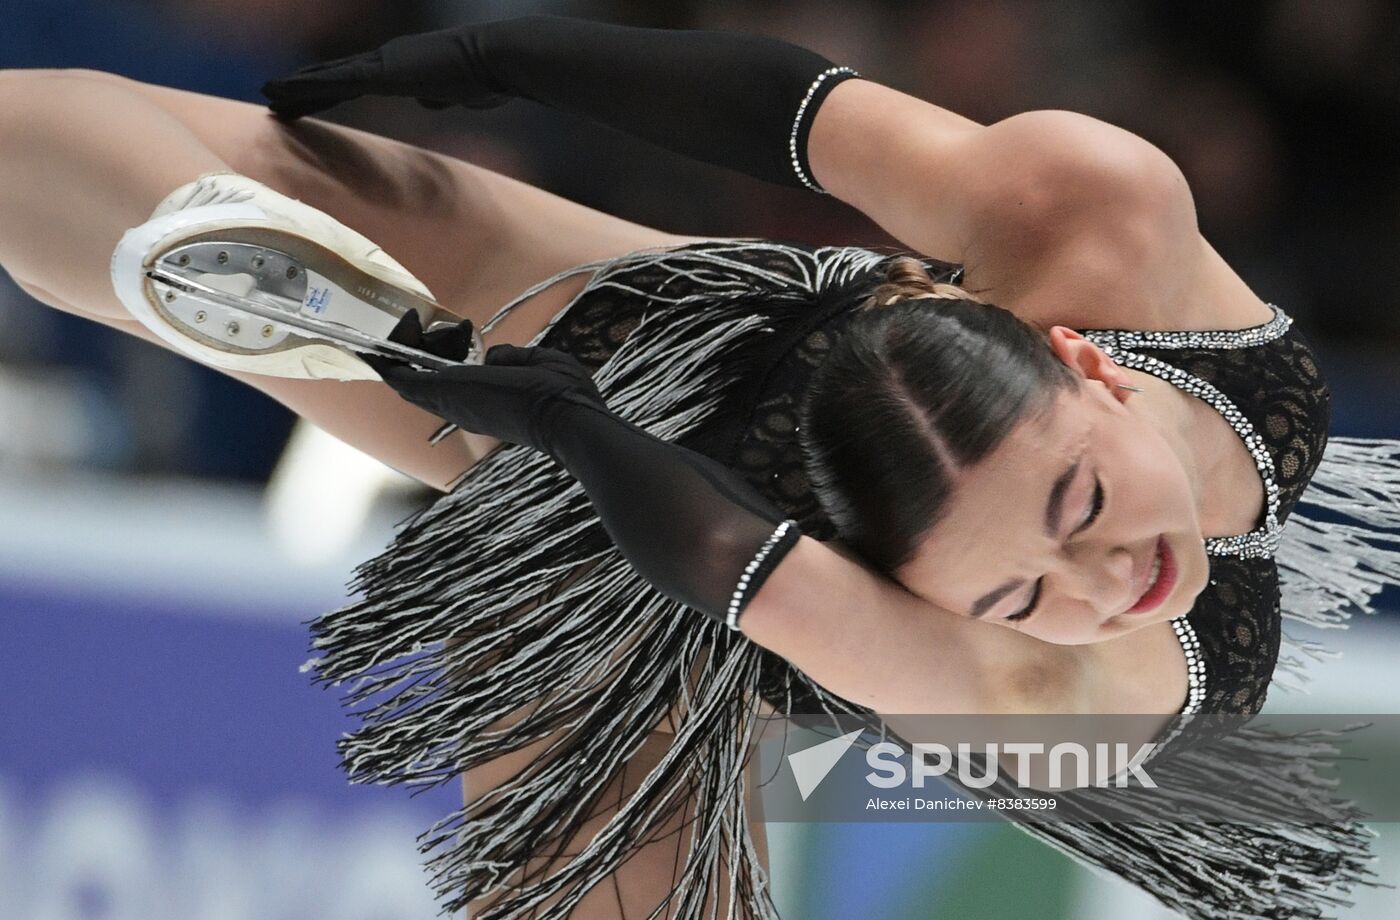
<point x="1097" y="229"/>
<point x="1048" y="210"/>
<point x="1092" y="227"/>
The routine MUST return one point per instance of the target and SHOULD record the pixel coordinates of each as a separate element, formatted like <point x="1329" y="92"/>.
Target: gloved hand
<point x="452" y="341"/>
<point x="511" y="396"/>
<point x="694" y="528"/>
<point x="439" y="69"/>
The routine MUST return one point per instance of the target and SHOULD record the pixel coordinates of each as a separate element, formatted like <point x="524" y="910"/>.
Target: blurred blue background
<point x="160" y="755"/>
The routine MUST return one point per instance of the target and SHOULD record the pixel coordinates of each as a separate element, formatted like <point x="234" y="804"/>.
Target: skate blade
<point x="250" y="291"/>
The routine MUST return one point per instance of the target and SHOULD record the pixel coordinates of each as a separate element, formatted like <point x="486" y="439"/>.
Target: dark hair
<point x="924" y="380"/>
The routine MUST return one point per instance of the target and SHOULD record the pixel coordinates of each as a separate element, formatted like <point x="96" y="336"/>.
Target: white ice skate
<point x="240" y="276"/>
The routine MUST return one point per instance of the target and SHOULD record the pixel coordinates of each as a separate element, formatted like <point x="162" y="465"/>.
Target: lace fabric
<point x="1267" y="381"/>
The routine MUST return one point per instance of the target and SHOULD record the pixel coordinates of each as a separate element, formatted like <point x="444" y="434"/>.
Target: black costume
<point x="710" y="346"/>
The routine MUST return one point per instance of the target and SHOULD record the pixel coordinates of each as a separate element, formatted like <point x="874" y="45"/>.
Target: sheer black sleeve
<point x="693" y="527"/>
<point x="737" y="100"/>
<point x="744" y="102"/>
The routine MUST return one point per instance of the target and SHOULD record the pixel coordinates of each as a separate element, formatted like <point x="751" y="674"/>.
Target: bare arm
<point x="1024" y="203"/>
<point x="866" y="638"/>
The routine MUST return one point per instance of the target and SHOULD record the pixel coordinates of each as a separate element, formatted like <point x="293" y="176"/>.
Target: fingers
<point x="406" y="377"/>
<point x="320" y="86"/>
<point x="382" y="366"/>
<point x="412" y="385"/>
<point x="510" y="355"/>
<point x="408" y="330"/>
<point x="453" y="342"/>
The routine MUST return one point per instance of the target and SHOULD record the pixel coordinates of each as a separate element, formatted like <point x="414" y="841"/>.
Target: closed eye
<point x="1029" y="608"/>
<point x="1094" y="511"/>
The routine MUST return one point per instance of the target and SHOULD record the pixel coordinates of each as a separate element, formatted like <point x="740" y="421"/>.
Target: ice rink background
<point x="161" y="757"/>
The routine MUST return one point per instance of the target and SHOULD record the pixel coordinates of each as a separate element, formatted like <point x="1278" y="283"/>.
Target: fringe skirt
<point x="506" y="591"/>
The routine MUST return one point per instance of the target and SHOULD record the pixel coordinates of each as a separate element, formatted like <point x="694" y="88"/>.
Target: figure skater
<point x="697" y="481"/>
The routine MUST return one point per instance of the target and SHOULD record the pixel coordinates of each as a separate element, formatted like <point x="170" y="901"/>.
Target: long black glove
<point x="745" y="102"/>
<point x="692" y="527"/>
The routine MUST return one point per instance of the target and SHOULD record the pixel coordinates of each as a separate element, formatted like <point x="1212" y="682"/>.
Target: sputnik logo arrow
<point x="810" y="766"/>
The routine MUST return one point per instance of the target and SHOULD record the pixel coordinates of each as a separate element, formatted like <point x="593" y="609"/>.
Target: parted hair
<point x="924" y="381"/>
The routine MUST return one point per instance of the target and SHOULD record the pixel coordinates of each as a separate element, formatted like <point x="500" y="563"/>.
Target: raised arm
<point x="1054" y="214"/>
<point x="865" y="637"/>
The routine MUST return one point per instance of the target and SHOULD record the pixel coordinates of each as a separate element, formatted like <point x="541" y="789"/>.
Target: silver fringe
<point x="1340" y="546"/>
<point x="486" y="565"/>
<point x="513" y="568"/>
<point x="1283" y="847"/>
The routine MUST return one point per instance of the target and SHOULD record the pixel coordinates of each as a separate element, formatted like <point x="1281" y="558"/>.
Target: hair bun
<point x="906" y="278"/>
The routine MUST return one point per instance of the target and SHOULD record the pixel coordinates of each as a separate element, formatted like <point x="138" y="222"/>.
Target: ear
<point x="1088" y="360"/>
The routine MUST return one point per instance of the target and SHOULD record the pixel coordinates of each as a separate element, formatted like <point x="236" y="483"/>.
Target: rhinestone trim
<point x="1195" y="665"/>
<point x="739" y="598"/>
<point x="807" y="180"/>
<point x="1206" y="338"/>
<point x="1262" y="542"/>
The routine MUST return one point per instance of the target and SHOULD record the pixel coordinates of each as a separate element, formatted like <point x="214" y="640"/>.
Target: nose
<point x="1103" y="579"/>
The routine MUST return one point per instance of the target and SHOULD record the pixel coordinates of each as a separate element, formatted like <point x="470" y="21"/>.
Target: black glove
<point x="726" y="98"/>
<point x="692" y="527"/>
<point x="509" y="396"/>
<point x="428" y="66"/>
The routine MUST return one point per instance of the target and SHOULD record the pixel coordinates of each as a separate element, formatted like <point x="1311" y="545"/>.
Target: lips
<point x="1157" y="591"/>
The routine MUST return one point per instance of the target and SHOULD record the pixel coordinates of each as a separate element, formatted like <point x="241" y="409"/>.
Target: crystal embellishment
<point x="1262" y="542"/>
<point x="807" y="180"/>
<point x="739" y="598"/>
<point x="1195" y="665"/>
<point x="1201" y="338"/>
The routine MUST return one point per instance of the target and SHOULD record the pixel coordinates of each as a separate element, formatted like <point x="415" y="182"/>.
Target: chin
<point x="1193" y="582"/>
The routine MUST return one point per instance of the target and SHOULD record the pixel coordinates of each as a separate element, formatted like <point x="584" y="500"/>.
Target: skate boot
<point x="240" y="276"/>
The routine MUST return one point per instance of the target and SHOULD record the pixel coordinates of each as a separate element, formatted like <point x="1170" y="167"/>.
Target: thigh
<point x="475" y="237"/>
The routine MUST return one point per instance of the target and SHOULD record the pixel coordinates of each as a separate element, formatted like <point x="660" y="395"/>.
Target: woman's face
<point x="1084" y="516"/>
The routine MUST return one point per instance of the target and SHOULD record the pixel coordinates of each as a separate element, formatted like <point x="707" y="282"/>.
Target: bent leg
<point x="85" y="155"/>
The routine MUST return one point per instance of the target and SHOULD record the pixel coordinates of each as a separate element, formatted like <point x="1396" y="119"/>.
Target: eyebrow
<point x="1054" y="512"/>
